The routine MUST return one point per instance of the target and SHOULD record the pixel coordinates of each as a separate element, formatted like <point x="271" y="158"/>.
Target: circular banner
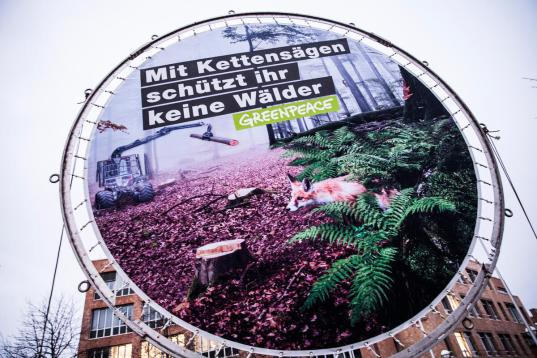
<point x="282" y="186"/>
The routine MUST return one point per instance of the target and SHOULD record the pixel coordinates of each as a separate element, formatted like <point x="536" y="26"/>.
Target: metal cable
<point x="40" y="344"/>
<point x="504" y="169"/>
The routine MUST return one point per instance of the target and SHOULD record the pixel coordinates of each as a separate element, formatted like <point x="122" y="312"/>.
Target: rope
<point x="504" y="170"/>
<point x="40" y="345"/>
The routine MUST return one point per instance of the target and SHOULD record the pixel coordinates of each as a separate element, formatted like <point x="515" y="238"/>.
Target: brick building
<point x="498" y="328"/>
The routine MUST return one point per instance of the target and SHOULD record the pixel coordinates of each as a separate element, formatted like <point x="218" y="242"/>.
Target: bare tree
<point x="60" y="338"/>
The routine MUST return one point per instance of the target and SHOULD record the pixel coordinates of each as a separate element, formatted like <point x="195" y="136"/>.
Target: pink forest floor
<point x="260" y="307"/>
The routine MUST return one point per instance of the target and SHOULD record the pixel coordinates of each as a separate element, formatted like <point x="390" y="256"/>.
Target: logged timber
<point x="220" y="258"/>
<point x="166" y="183"/>
<point x="228" y="141"/>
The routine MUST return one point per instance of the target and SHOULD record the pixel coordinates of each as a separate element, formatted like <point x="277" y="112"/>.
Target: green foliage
<point x="318" y="153"/>
<point x="412" y="157"/>
<point x="333" y="233"/>
<point x="340" y="271"/>
<point x="371" y="281"/>
<point x="370" y="268"/>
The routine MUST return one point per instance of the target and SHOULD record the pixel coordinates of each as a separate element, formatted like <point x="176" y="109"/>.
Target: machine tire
<point x="145" y="193"/>
<point x="104" y="199"/>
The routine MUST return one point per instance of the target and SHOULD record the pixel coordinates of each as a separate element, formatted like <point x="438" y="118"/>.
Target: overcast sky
<point x="53" y="50"/>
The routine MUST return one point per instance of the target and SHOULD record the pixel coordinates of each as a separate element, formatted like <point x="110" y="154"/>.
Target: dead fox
<point x="305" y="193"/>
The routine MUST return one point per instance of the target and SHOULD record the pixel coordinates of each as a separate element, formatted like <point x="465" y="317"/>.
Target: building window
<point x="122" y="351"/>
<point x="501" y="289"/>
<point x="449" y="303"/>
<point x="521" y="344"/>
<point x="99" y="353"/>
<point x="529" y="339"/>
<point x="523" y="310"/>
<point x="114" y="282"/>
<point x="489" y="308"/>
<point x="504" y="313"/>
<point x="472" y="274"/>
<point x="508" y="344"/>
<point x="446" y="305"/>
<point x="488" y="343"/>
<point x="104" y="323"/>
<point x="472" y="309"/>
<point x="150" y="351"/>
<point x="514" y="313"/>
<point x="466" y="344"/>
<point x="208" y="349"/>
<point x="152" y="318"/>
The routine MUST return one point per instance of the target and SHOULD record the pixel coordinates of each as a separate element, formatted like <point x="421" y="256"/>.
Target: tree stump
<point x="219" y="258"/>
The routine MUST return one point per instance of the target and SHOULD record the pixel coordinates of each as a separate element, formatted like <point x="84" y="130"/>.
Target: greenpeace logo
<point x="285" y="112"/>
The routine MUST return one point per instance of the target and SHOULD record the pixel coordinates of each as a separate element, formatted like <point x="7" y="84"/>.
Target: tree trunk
<point x="220" y="258"/>
<point x="301" y="126"/>
<point x="356" y="93"/>
<point x="270" y="130"/>
<point x="381" y="79"/>
<point x="386" y="68"/>
<point x="345" y="108"/>
<point x="361" y="80"/>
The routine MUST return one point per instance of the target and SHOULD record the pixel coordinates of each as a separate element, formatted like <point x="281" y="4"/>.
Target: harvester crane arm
<point x="160" y="133"/>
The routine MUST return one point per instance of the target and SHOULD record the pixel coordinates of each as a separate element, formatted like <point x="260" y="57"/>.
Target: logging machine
<point x="126" y="177"/>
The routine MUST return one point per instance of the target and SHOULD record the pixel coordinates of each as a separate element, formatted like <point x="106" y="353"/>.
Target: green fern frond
<point x="336" y="210"/>
<point x="397" y="211"/>
<point x="430" y="204"/>
<point x="310" y="170"/>
<point x="340" y="270"/>
<point x="371" y="283"/>
<point x="299" y="162"/>
<point x="368" y="212"/>
<point x="341" y="136"/>
<point x="333" y="233"/>
<point x="328" y="170"/>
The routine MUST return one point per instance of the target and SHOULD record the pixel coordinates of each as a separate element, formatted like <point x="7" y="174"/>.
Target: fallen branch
<point x="205" y="206"/>
<point x="189" y="199"/>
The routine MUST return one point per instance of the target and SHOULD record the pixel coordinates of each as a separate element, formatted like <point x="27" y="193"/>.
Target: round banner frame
<point x="86" y="240"/>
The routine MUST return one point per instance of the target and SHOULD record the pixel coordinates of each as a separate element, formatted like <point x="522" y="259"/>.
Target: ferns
<point x="397" y="211"/>
<point x="340" y="271"/>
<point x="370" y="273"/>
<point x="430" y="204"/>
<point x="368" y="212"/>
<point x="371" y="281"/>
<point x="317" y="152"/>
<point x="370" y="268"/>
<point x="394" y="157"/>
<point x="333" y="233"/>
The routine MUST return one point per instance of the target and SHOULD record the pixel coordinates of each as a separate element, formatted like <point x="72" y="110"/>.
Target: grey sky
<point x="53" y="50"/>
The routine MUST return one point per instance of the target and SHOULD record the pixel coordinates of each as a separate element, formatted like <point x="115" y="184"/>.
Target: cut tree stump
<point x="220" y="258"/>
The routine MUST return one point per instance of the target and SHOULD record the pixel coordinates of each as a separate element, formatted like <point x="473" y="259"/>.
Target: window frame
<point x="472" y="274"/>
<point x="466" y="344"/>
<point x="473" y="310"/>
<point x="152" y="317"/>
<point x="489" y="341"/>
<point x="512" y="347"/>
<point x="485" y="303"/>
<point x="111" y="325"/>
<point x="111" y="351"/>
<point x="110" y="278"/>
<point x="514" y="313"/>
